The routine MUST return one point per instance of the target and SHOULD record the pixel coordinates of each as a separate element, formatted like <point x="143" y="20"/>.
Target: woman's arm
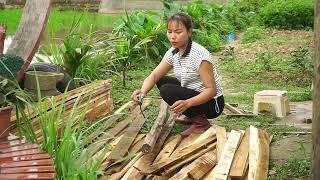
<point x="154" y="77"/>
<point x="206" y="76"/>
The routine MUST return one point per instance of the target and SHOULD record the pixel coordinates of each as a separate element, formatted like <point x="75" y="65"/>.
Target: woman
<point x="195" y="93"/>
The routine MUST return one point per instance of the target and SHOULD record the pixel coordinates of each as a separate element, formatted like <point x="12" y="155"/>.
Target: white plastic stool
<point x="275" y="101"/>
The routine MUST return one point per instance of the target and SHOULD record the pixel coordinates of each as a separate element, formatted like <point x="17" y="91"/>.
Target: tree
<point x="316" y="97"/>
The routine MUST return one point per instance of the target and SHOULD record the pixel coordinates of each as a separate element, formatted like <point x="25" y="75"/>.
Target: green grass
<point x="292" y="169"/>
<point x="59" y="21"/>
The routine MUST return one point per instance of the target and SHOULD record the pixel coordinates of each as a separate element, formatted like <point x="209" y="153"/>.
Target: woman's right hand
<point x="136" y="93"/>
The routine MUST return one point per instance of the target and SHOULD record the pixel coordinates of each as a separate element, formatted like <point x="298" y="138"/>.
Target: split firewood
<point x="227" y="155"/>
<point x="154" y="133"/>
<point x="240" y="163"/>
<point x="147" y="159"/>
<point x="185" y="152"/>
<point x="221" y="140"/>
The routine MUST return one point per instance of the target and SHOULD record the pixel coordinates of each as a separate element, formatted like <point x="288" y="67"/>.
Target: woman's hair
<point x="183" y="18"/>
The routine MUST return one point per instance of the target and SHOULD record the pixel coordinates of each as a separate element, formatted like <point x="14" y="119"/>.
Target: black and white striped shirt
<point x="186" y="67"/>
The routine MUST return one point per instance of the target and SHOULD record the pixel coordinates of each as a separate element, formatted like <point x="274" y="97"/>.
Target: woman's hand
<point x="137" y="92"/>
<point x="180" y="106"/>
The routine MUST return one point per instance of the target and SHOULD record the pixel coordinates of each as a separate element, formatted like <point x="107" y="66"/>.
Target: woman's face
<point x="178" y="34"/>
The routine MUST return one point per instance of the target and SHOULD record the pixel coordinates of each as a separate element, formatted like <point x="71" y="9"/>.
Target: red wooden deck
<point x="22" y="160"/>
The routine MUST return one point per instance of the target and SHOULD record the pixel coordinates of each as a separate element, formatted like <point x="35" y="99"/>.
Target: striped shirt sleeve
<point x="202" y="56"/>
<point x="169" y="56"/>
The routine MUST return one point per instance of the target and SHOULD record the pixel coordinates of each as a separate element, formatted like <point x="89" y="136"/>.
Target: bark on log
<point x="156" y="129"/>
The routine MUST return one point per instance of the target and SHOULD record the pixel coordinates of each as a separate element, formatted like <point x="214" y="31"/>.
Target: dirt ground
<point x="294" y="145"/>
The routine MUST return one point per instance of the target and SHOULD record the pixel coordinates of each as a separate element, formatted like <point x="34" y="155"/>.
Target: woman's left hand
<point x="180" y="106"/>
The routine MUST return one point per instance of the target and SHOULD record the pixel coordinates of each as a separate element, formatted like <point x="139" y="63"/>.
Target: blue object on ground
<point x="231" y="37"/>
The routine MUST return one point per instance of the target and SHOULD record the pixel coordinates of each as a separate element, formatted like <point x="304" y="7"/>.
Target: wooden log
<point x="203" y="165"/>
<point x="241" y="160"/>
<point x="221" y="140"/>
<point x="147" y="159"/>
<point x="227" y="155"/>
<point x="154" y="133"/>
<point x="232" y="109"/>
<point x="26" y="40"/>
<point x="185" y="152"/>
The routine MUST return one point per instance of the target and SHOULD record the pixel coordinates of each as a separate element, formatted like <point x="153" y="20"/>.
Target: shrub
<point x="253" y="33"/>
<point x="211" y="41"/>
<point x="10" y="65"/>
<point x="293" y="14"/>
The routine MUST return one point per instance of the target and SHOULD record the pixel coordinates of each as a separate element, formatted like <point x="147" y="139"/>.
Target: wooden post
<point x="3" y="29"/>
<point x="316" y="97"/>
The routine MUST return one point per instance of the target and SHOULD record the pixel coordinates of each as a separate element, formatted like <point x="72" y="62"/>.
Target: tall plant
<point x="62" y="138"/>
<point x="137" y="34"/>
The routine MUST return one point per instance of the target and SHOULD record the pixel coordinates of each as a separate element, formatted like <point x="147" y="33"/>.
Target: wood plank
<point x="241" y="159"/>
<point x="183" y="173"/>
<point x="185" y="152"/>
<point x="221" y="140"/>
<point x="30" y="169"/>
<point x="40" y="162"/>
<point x="232" y="109"/>
<point x="24" y="157"/>
<point x="186" y="141"/>
<point x="19" y="148"/>
<point x="227" y="155"/>
<point x="123" y="146"/>
<point x="203" y="165"/>
<point x="118" y="175"/>
<point x="155" y="130"/>
<point x="211" y="174"/>
<point x="168" y="148"/>
<point x="13" y="143"/>
<point x="170" y="170"/>
<point x="253" y="152"/>
<point x="28" y="176"/>
<point x="98" y="132"/>
<point x="20" y="153"/>
<point x="263" y="162"/>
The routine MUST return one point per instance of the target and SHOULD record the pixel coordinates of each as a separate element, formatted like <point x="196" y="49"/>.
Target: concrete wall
<point x="106" y="6"/>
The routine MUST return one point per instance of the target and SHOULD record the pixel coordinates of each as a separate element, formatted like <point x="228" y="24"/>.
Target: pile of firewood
<point x="93" y="98"/>
<point x="213" y="154"/>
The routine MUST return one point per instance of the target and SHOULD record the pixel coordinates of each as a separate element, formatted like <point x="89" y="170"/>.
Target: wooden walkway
<point x="22" y="160"/>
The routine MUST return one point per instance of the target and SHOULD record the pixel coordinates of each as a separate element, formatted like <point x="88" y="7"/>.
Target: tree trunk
<point x="316" y="97"/>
